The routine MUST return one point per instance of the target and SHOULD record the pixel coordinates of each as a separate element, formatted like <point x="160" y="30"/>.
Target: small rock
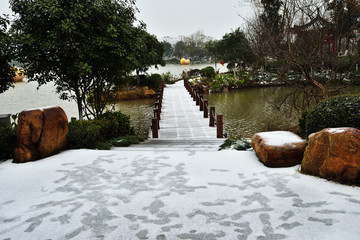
<point x="278" y="148"/>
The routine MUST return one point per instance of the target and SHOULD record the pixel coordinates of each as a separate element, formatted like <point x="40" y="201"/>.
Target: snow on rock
<point x="278" y="148"/>
<point x="85" y="194"/>
<point x="280" y="138"/>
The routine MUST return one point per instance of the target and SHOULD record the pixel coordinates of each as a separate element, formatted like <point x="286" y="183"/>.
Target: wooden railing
<point x="155" y="123"/>
<point x="214" y="120"/>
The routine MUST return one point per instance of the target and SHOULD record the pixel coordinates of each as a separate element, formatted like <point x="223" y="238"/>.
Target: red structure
<point x="316" y="27"/>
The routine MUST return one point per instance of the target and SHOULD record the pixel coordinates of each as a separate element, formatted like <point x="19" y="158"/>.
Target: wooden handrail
<point x="155" y="121"/>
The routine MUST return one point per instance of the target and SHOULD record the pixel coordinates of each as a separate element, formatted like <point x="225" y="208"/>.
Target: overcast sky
<point x="184" y="17"/>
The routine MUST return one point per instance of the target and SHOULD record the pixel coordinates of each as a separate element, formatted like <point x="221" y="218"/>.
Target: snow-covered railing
<point x="214" y="120"/>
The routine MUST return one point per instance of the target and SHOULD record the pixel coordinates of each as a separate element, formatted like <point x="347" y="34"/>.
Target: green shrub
<point x="114" y="124"/>
<point x="339" y="111"/>
<point x="168" y="78"/>
<point x="7" y="142"/>
<point x="154" y="81"/>
<point x="240" y="144"/>
<point x="208" y="72"/>
<point x="97" y="132"/>
<point x="84" y="134"/>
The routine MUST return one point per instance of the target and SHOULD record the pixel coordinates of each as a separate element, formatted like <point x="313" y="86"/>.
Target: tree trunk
<point x="137" y="77"/>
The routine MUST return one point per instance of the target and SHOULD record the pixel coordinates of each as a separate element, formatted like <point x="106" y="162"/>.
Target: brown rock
<point x="278" y="148"/>
<point x="53" y="138"/>
<point x="41" y="133"/>
<point x="29" y="129"/>
<point x="149" y="93"/>
<point x="333" y="154"/>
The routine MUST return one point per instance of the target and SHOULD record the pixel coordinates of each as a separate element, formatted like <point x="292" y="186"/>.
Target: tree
<point x="180" y="49"/>
<point x="168" y="49"/>
<point x="149" y="52"/>
<point x="6" y="74"/>
<point x="270" y="17"/>
<point x="82" y="46"/>
<point x="212" y="47"/>
<point x="345" y="16"/>
<point x="235" y="48"/>
<point x="304" y="44"/>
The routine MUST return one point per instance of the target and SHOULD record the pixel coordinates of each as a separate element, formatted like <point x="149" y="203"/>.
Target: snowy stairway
<point x="176" y="145"/>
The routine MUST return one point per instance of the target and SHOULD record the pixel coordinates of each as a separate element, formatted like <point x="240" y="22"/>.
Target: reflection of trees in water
<point x="251" y="110"/>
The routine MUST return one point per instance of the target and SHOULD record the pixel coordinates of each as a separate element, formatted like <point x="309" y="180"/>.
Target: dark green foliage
<point x="81" y="46"/>
<point x="5" y="57"/>
<point x="208" y="72"/>
<point x="339" y="111"/>
<point x="154" y="81"/>
<point x="168" y="78"/>
<point x="234" y="48"/>
<point x="7" y="142"/>
<point x="114" y="124"/>
<point x="149" y="51"/>
<point x="271" y="17"/>
<point x="240" y="144"/>
<point x="97" y="132"/>
<point x="84" y="134"/>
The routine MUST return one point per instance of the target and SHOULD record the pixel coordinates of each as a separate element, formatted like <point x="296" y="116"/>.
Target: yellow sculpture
<point x="184" y="61"/>
<point x="19" y="74"/>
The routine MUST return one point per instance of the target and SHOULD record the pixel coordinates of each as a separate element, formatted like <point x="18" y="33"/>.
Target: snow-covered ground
<point x="152" y="194"/>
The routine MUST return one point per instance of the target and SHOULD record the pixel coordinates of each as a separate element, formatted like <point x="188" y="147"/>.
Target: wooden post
<point x="154" y="128"/>
<point x="201" y="103"/>
<point x="197" y="98"/>
<point x="194" y="94"/>
<point x="212" y="117"/>
<point x="219" y="126"/>
<point x="157" y="105"/>
<point x="206" y="114"/>
<point x="158" y="99"/>
<point x="157" y="113"/>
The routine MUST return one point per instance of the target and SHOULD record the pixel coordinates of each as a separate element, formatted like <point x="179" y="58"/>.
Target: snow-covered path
<point x="150" y="194"/>
<point x="181" y="118"/>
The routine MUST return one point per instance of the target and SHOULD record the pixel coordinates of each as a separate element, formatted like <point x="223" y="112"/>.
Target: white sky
<point x="184" y="17"/>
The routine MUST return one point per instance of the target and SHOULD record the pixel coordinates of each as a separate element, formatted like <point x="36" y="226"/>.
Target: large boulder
<point x="278" y="148"/>
<point x="41" y="133"/>
<point x="333" y="154"/>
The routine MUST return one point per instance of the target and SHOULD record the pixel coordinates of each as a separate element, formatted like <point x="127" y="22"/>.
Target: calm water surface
<point x="26" y="96"/>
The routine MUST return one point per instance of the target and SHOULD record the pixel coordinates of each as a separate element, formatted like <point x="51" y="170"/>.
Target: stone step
<point x="176" y="145"/>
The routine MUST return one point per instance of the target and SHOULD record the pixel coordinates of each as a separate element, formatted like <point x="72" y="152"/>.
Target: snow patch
<point x="337" y="130"/>
<point x="40" y="108"/>
<point x="280" y="138"/>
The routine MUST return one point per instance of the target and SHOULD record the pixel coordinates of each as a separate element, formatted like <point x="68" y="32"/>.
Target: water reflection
<point x="248" y="111"/>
